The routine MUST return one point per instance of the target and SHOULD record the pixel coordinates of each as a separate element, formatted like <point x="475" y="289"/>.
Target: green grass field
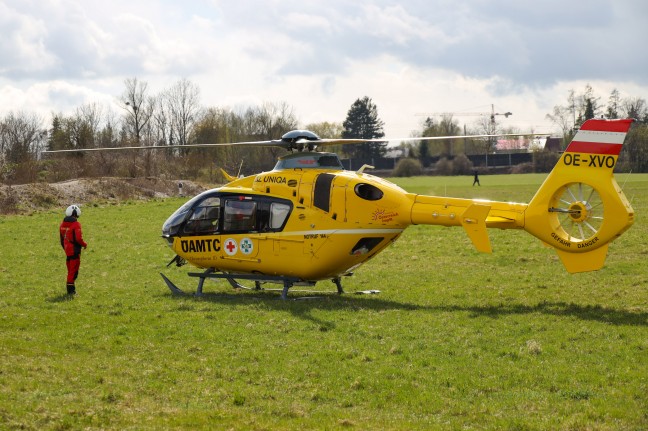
<point x="456" y="339"/>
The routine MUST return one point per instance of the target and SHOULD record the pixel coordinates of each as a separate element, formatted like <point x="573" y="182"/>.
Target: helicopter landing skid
<point x="288" y="282"/>
<point x="257" y="278"/>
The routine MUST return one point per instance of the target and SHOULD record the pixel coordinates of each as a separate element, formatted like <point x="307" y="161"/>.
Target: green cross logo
<point x="246" y="246"/>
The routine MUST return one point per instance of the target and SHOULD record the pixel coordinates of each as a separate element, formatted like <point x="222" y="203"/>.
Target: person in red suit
<point x="72" y="242"/>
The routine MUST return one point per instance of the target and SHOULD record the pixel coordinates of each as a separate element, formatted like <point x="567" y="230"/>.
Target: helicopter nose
<point x="171" y="226"/>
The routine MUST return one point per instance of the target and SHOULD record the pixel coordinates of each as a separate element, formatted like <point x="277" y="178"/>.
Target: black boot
<point x="71" y="290"/>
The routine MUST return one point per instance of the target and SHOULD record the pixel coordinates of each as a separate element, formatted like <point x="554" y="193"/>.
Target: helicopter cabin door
<point x="322" y="192"/>
<point x="329" y="195"/>
<point x="247" y="221"/>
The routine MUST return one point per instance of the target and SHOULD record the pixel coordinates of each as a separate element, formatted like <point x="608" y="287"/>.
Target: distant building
<point x="511" y="144"/>
<point x="553" y="144"/>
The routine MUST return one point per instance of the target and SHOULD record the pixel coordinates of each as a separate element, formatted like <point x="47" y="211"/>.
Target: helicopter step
<point x="288" y="282"/>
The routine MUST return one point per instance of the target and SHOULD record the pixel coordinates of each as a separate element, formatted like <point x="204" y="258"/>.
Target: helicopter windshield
<point x="172" y="224"/>
<point x="310" y="161"/>
<point x="213" y="212"/>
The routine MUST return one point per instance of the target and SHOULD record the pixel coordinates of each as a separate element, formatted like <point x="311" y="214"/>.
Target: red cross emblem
<point x="230" y="247"/>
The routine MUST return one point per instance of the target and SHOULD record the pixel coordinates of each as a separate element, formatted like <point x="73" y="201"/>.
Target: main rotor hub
<point x="300" y="140"/>
<point x="299" y="135"/>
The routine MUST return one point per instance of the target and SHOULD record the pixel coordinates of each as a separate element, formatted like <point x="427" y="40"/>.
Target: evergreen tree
<point x="424" y="146"/>
<point x="589" y="105"/>
<point x="362" y="122"/>
<point x="589" y="109"/>
<point x="57" y="139"/>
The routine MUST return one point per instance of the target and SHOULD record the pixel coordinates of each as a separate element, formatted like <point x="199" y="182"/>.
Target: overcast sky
<point x="409" y="56"/>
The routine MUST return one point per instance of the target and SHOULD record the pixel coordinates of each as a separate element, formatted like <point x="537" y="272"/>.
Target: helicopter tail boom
<point x="474" y="215"/>
<point x="578" y="210"/>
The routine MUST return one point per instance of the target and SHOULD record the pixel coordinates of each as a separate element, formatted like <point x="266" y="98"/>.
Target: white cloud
<point x="393" y="24"/>
<point x="319" y="56"/>
<point x="22" y="47"/>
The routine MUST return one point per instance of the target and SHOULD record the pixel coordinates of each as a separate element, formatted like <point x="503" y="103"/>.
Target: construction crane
<point x="492" y="114"/>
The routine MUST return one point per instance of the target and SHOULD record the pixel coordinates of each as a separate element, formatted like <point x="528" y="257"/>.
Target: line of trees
<point x="447" y="125"/>
<point x="175" y="116"/>
<point x="567" y="118"/>
<point x="171" y="117"/>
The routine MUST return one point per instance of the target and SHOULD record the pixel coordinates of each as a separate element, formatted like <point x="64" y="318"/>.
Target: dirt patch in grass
<point x="28" y="198"/>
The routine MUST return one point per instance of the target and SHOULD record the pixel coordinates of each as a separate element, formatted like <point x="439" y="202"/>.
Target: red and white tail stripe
<point x="600" y="137"/>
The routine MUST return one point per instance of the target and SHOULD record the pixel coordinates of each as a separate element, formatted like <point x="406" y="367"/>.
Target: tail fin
<point x="580" y="208"/>
<point x="227" y="176"/>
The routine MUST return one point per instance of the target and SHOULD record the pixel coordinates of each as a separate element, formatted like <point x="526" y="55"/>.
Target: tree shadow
<point x="301" y="305"/>
<point x="597" y="313"/>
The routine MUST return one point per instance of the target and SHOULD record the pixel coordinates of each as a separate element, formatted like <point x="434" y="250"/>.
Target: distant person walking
<point x="72" y="242"/>
<point x="476" y="180"/>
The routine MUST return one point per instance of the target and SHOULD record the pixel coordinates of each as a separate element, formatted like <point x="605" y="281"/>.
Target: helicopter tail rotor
<point x="580" y="208"/>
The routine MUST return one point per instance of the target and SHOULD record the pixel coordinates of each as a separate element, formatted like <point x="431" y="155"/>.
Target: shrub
<point x="522" y="168"/>
<point x="443" y="167"/>
<point x="461" y="165"/>
<point x="407" y="168"/>
<point x="8" y="200"/>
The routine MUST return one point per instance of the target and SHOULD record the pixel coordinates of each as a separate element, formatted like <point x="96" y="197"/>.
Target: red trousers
<point x="73" y="269"/>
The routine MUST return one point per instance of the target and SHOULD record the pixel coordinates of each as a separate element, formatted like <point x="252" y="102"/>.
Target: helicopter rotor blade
<point x="298" y="142"/>
<point x="322" y="142"/>
<point x="271" y="143"/>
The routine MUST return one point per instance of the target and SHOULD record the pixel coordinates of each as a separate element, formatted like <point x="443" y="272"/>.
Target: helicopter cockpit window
<point x="239" y="215"/>
<point x="205" y="218"/>
<point x="173" y="224"/>
<point x="368" y="192"/>
<point x="310" y="161"/>
<point x="278" y="214"/>
<point x="329" y="161"/>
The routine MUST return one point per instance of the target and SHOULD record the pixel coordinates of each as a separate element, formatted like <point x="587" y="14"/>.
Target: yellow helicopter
<point x="310" y="220"/>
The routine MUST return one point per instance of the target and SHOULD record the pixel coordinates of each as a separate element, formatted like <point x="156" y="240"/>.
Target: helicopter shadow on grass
<point x="301" y="306"/>
<point x="301" y="303"/>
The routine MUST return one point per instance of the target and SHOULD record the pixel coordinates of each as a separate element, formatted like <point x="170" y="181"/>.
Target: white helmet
<point x="73" y="211"/>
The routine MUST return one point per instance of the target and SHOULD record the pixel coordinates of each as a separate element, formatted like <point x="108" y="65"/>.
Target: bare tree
<point x="488" y="125"/>
<point x="275" y="119"/>
<point x="562" y="117"/>
<point x="183" y="104"/>
<point x="565" y="116"/>
<point x="22" y="137"/>
<point x="138" y="106"/>
<point x="634" y="107"/>
<point x="326" y="129"/>
<point x="161" y="121"/>
<point x="614" y="105"/>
